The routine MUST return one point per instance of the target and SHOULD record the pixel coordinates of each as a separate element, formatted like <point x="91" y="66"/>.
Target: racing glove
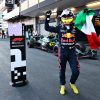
<point x="48" y="14"/>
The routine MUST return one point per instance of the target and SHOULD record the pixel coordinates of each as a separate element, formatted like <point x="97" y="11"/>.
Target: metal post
<point x="18" y="58"/>
<point x="38" y="3"/>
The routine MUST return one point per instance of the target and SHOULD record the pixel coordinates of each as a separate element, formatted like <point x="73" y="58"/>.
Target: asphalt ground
<point x="43" y="77"/>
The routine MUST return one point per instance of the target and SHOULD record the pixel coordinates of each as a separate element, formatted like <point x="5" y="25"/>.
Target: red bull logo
<point x="68" y="35"/>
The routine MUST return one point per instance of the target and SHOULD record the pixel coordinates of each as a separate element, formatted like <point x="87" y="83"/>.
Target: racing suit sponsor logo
<point x="68" y="35"/>
<point x="68" y="39"/>
<point x="62" y="30"/>
<point x="68" y="44"/>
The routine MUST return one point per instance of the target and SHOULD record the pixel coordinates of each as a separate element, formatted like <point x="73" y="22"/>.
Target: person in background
<point x="0" y="33"/>
<point x="35" y="32"/>
<point x="3" y="34"/>
<point x="29" y="34"/>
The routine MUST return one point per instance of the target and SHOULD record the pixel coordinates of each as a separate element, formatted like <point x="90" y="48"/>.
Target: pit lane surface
<point x="43" y="77"/>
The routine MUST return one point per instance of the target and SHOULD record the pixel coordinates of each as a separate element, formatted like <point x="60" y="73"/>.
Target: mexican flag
<point x="84" y="23"/>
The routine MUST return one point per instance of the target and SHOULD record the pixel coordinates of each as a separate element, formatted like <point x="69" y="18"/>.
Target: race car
<point x="82" y="51"/>
<point x="47" y="43"/>
<point x="42" y="42"/>
<point x="34" y="41"/>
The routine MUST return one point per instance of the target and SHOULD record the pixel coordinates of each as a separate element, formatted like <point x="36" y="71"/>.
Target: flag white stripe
<point x="88" y="27"/>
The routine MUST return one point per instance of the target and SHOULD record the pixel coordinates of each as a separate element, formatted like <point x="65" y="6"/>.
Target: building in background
<point x="36" y="10"/>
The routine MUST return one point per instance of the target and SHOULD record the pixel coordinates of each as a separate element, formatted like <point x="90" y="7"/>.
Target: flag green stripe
<point x="81" y="18"/>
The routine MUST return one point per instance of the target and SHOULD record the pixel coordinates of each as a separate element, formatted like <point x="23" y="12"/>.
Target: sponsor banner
<point x="9" y="3"/>
<point x="15" y="29"/>
<point x="18" y="59"/>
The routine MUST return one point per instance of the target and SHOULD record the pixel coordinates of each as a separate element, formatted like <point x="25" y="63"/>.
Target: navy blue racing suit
<point x="66" y="51"/>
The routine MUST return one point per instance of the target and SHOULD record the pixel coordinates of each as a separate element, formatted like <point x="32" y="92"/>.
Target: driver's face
<point x="67" y="20"/>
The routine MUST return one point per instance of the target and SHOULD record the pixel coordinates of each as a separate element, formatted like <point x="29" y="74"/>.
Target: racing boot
<point x="74" y="88"/>
<point x="62" y="90"/>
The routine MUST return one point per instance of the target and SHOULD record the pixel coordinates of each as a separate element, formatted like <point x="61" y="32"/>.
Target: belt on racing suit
<point x="68" y="47"/>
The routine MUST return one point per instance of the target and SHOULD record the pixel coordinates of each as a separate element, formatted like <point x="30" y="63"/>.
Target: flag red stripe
<point x="93" y="40"/>
<point x="96" y="39"/>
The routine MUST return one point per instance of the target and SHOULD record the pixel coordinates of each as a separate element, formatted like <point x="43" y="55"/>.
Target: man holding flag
<point x="66" y="52"/>
<point x="66" y="33"/>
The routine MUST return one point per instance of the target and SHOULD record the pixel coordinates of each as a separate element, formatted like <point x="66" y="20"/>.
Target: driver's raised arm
<point x="47" y="26"/>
